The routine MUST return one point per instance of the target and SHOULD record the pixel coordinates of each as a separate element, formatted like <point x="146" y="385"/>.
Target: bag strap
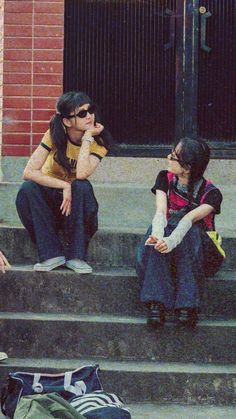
<point x="79" y="388"/>
<point x="37" y="386"/>
<point x="4" y="394"/>
<point x="172" y="180"/>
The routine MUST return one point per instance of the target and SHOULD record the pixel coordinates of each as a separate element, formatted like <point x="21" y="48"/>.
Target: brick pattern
<point x="32" y="71"/>
<point x="1" y="74"/>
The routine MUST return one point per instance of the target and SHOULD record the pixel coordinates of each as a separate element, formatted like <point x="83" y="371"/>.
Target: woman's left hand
<point x="66" y="203"/>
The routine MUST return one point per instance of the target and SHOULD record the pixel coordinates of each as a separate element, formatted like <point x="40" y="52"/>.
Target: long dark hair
<point x="66" y="105"/>
<point x="194" y="154"/>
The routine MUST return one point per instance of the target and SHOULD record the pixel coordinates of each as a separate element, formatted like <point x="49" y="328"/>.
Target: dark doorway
<point x="217" y="70"/>
<point x="147" y="63"/>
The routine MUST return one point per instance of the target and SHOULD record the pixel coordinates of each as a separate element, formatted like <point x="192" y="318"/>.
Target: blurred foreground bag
<point x="68" y="384"/>
<point x="100" y="405"/>
<point x="45" y="406"/>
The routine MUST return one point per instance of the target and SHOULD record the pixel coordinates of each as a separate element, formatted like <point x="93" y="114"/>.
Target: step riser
<point x="73" y="339"/>
<point x="169" y="387"/>
<point x="113" y="205"/>
<point x="106" y="248"/>
<point x="213" y="389"/>
<point x="97" y="294"/>
<point x="121" y="205"/>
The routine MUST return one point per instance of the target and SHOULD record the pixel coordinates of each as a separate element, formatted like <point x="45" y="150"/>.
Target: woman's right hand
<point x="4" y="264"/>
<point x="66" y="203"/>
<point x="151" y="240"/>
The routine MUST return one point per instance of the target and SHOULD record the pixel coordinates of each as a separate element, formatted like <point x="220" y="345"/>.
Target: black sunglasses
<point x="83" y="113"/>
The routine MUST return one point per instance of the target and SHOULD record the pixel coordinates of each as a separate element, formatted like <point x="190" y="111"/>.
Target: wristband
<point x="178" y="234"/>
<point x="87" y="137"/>
<point x="159" y="223"/>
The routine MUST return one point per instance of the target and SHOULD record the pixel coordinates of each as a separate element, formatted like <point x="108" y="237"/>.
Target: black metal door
<point x="160" y="69"/>
<point x="217" y="70"/>
<point x="122" y="53"/>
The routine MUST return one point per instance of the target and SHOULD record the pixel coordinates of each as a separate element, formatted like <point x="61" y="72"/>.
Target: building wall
<point x="1" y="69"/>
<point x="32" y="71"/>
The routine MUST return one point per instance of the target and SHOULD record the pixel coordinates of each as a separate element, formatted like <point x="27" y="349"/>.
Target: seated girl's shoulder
<point x="47" y="140"/>
<point x="98" y="149"/>
<point x="210" y="186"/>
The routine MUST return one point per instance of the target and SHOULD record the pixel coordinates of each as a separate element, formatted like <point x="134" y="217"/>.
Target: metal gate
<point x="158" y="68"/>
<point x="217" y="70"/>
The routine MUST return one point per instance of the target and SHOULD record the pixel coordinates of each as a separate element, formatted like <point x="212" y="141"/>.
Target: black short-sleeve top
<point x="204" y="193"/>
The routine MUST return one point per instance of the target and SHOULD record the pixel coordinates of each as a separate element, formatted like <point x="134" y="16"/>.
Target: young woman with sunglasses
<point x="57" y="193"/>
<point x="173" y="259"/>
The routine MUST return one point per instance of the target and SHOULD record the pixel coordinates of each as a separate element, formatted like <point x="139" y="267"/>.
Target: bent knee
<point x="81" y="185"/>
<point x="27" y="188"/>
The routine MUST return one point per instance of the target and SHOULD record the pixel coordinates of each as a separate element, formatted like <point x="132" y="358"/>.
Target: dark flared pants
<point x="174" y="279"/>
<point x="39" y="210"/>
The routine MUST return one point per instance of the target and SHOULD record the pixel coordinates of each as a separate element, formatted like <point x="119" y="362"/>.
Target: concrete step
<point x="176" y="411"/>
<point x="123" y="205"/>
<point x="147" y="381"/>
<point x="109" y="247"/>
<point x="115" y="337"/>
<point x="111" y="291"/>
<point x="138" y="170"/>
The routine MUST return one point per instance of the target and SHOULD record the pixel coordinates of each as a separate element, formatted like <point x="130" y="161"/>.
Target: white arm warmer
<point x="159" y="222"/>
<point x="178" y="234"/>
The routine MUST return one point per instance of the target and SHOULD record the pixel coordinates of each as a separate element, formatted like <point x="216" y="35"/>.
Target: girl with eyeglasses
<point x="57" y="193"/>
<point x="177" y="253"/>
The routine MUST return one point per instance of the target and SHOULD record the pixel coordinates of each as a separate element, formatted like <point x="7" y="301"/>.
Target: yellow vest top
<point x="52" y="168"/>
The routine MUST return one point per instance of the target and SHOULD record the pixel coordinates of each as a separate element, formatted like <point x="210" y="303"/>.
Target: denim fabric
<point x="174" y="279"/>
<point x="39" y="210"/>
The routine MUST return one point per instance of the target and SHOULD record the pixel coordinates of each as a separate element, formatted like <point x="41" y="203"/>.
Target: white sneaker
<point x="3" y="356"/>
<point x="50" y="264"/>
<point x="79" y="266"/>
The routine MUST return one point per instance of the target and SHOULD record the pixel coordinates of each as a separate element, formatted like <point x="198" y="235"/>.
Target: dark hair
<point x="66" y="105"/>
<point x="193" y="154"/>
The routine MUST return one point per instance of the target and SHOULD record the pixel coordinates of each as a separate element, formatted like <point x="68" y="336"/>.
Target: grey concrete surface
<point x="124" y="206"/>
<point x="136" y="170"/>
<point x="108" y="248"/>
<point x="88" y="297"/>
<point x="122" y="186"/>
<point x="156" y="411"/>
<point x="115" y="337"/>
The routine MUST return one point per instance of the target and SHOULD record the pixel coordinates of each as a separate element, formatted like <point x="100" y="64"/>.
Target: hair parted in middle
<point x="66" y="105"/>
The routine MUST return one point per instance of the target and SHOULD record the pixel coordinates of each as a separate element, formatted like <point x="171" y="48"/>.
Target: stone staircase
<point x="61" y="320"/>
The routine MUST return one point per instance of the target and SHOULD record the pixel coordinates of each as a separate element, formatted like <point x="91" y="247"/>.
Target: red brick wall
<point x="32" y="71"/>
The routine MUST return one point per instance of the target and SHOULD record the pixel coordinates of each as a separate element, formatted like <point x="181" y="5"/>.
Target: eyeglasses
<point x="173" y="158"/>
<point x="83" y="113"/>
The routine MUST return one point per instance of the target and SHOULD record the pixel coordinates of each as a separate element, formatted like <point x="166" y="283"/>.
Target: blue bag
<point x="69" y="384"/>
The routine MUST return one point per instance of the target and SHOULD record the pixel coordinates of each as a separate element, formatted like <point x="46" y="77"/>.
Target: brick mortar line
<point x="1" y="78"/>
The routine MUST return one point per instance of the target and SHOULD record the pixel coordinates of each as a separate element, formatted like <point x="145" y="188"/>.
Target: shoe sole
<point x="48" y="268"/>
<point x="79" y="271"/>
